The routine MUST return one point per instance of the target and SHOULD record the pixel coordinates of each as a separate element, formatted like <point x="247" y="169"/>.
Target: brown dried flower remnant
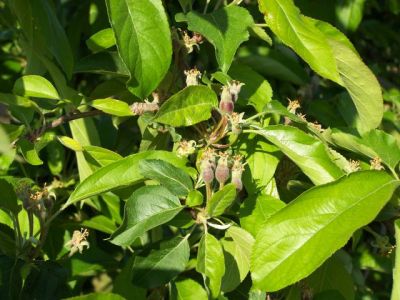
<point x="316" y="126"/>
<point x="237" y="171"/>
<point x="192" y="77"/>
<point x="191" y="42"/>
<point x="293" y="106"/>
<point x="236" y="122"/>
<point x="376" y="164"/>
<point x="185" y="148"/>
<point x="234" y="88"/>
<point x="139" y="108"/>
<point x="78" y="241"/>
<point x="354" y="165"/>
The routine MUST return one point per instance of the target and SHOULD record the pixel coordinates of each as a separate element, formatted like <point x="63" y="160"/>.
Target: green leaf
<point x="100" y="223"/>
<point x="147" y="208"/>
<point x="97" y="296"/>
<point x="44" y="33"/>
<point x="274" y="64"/>
<point x="322" y="218"/>
<point x="384" y="145"/>
<point x="256" y="90"/>
<point x="113" y="107"/>
<point x="225" y="28"/>
<point x="101" y="40"/>
<point x="396" y="270"/>
<point x="237" y="246"/>
<point x="29" y="152"/>
<point x="101" y="156"/>
<point x="258" y="153"/>
<point x="162" y="265"/>
<point x="35" y="86"/>
<point x="306" y="151"/>
<point x="285" y="20"/>
<point x="188" y="289"/>
<point x="143" y="40"/>
<point x="174" y="179"/>
<point x="102" y="63"/>
<point x="350" y="14"/>
<point x="221" y="200"/>
<point x="189" y="106"/>
<point x="332" y="276"/>
<point x="194" y="198"/>
<point x="8" y="198"/>
<point x="357" y="78"/>
<point x="210" y="262"/>
<point x="122" y="173"/>
<point x="256" y="209"/>
<point x="70" y="143"/>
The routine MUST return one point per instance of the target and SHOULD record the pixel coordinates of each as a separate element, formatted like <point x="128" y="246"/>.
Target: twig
<point x="57" y="122"/>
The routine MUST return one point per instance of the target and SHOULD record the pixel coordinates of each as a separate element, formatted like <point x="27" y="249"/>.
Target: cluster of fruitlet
<point x="222" y="169"/>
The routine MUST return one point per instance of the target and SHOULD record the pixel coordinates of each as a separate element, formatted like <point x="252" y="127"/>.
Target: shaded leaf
<point x="396" y="270"/>
<point x="102" y="63"/>
<point x="225" y="28"/>
<point x="162" y="265"/>
<point x="237" y="246"/>
<point x="8" y="198"/>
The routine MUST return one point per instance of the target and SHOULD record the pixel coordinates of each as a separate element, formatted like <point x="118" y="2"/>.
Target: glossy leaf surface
<point x="225" y="28"/>
<point x="322" y="218"/>
<point x="285" y="20"/>
<point x="35" y="86"/>
<point x="147" y="208"/>
<point x="237" y="246"/>
<point x="144" y="41"/>
<point x="221" y="200"/>
<point x="188" y="289"/>
<point x="113" y="107"/>
<point x="119" y="174"/>
<point x="308" y="152"/>
<point x="190" y="106"/>
<point x="210" y="262"/>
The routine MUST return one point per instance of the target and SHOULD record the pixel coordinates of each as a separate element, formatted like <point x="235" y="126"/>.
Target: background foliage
<point x="200" y="149"/>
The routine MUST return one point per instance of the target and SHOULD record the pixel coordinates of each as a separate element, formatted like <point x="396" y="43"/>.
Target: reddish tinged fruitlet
<point x="226" y="105"/>
<point x="207" y="165"/>
<point x="222" y="170"/>
<point x="237" y="171"/>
